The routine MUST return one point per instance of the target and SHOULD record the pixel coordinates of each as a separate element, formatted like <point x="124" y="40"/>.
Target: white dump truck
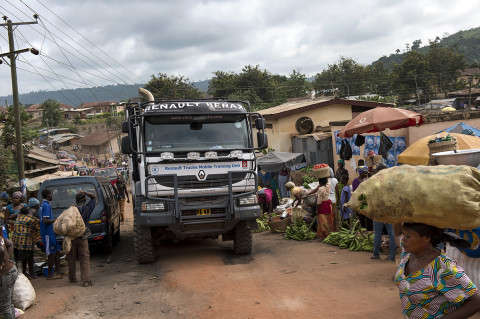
<point x="193" y="171"/>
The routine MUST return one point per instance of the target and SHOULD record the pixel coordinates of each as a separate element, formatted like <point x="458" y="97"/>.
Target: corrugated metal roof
<point x="299" y="106"/>
<point x="97" y="138"/>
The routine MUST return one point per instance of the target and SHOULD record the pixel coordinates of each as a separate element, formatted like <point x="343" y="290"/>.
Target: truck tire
<point x="242" y="241"/>
<point x="144" y="249"/>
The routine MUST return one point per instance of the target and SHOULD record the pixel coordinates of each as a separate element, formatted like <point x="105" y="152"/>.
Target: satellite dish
<point x="304" y="125"/>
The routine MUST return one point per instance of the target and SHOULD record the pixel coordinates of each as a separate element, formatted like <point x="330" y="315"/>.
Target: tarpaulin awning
<point x="277" y="161"/>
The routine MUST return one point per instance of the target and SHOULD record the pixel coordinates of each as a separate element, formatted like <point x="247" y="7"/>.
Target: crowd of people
<point x="430" y="281"/>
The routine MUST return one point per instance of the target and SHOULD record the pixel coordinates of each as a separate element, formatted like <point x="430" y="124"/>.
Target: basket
<point x="323" y="172"/>
<point x="298" y="214"/>
<point x="278" y="225"/>
<point x="438" y="147"/>
<point x="444" y="146"/>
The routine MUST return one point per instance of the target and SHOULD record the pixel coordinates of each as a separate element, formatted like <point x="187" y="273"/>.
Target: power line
<point x="89" y="42"/>
<point x="52" y="39"/>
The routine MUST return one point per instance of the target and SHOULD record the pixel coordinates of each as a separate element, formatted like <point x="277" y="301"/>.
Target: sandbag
<point x="23" y="293"/>
<point x="445" y="196"/>
<point x="69" y="223"/>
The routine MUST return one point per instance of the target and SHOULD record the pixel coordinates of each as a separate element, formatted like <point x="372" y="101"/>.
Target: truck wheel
<point x="242" y="242"/>
<point x="144" y="249"/>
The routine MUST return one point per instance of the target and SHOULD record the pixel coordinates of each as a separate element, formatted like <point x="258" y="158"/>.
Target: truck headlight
<point x="248" y="200"/>
<point x="236" y="154"/>
<point x="167" y="156"/>
<point x="193" y="156"/>
<point x="154" y="206"/>
<point x="211" y="155"/>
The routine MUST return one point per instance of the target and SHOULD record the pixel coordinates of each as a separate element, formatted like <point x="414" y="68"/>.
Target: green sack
<point x="445" y="196"/>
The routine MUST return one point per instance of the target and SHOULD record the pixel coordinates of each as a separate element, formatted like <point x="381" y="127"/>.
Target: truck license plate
<point x="203" y="211"/>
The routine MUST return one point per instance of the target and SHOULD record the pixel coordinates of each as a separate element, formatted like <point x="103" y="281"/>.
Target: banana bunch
<point x="299" y="231"/>
<point x="262" y="225"/>
<point x="348" y="239"/>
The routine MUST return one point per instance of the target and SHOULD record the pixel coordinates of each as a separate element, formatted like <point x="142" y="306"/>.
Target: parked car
<point x="72" y="156"/>
<point x="108" y="172"/>
<point x="104" y="222"/>
<point x="42" y="146"/>
<point x="62" y="154"/>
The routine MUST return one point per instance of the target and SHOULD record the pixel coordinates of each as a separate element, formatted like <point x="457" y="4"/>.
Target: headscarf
<point x="290" y="185"/>
<point x="362" y="169"/>
<point x="340" y="161"/>
<point x="17" y="194"/>
<point x="4" y="195"/>
<point x="33" y="202"/>
<point x="261" y="192"/>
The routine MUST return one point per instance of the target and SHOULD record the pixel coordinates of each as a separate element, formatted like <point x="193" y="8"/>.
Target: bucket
<point x="45" y="271"/>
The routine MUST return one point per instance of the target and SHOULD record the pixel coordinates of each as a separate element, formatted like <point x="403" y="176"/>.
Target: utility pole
<point x="13" y="69"/>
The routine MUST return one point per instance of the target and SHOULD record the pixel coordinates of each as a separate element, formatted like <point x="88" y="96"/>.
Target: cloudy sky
<point x="86" y="43"/>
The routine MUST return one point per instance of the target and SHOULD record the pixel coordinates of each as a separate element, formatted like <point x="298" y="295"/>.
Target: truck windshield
<point x="185" y="137"/>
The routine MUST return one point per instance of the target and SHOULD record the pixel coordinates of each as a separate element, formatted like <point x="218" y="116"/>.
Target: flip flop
<point x="87" y="283"/>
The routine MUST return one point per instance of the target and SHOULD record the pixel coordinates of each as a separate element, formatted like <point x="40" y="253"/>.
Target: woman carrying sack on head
<point x="432" y="285"/>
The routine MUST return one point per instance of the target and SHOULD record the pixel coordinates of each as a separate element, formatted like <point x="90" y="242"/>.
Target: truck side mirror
<point x="260" y="123"/>
<point x="262" y="140"/>
<point x="126" y="149"/>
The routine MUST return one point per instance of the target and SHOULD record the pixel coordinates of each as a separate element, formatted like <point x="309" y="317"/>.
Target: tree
<point x="260" y="87"/>
<point x="345" y="78"/>
<point x="52" y="113"/>
<point x="444" y="65"/>
<point x="416" y="44"/>
<point x="412" y="76"/>
<point x="8" y="142"/>
<point x="172" y="87"/>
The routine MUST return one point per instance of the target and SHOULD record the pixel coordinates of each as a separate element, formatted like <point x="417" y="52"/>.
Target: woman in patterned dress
<point x="25" y="235"/>
<point x="431" y="284"/>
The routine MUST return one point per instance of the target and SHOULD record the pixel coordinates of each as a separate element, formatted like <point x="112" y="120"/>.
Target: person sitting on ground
<point x="80" y="248"/>
<point x="25" y="234"/>
<point x="432" y="285"/>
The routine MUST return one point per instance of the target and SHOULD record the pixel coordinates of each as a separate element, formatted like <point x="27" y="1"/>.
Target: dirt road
<point x="204" y="279"/>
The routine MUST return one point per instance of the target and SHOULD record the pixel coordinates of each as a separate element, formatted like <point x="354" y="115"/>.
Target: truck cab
<point x="193" y="171"/>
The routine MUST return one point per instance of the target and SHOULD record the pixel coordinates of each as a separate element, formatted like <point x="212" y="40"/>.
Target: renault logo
<point x="201" y="175"/>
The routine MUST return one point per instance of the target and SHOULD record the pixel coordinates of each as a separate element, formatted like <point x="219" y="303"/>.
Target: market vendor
<point x="299" y="193"/>
<point x="324" y="207"/>
<point x="264" y="196"/>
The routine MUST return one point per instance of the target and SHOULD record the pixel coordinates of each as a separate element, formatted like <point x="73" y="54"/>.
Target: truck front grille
<point x="214" y="225"/>
<point x="213" y="211"/>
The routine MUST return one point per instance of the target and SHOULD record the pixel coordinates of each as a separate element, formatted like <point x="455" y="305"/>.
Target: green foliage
<point x="172" y="87"/>
<point x="260" y="87"/>
<point x="8" y="137"/>
<point x="52" y="113"/>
